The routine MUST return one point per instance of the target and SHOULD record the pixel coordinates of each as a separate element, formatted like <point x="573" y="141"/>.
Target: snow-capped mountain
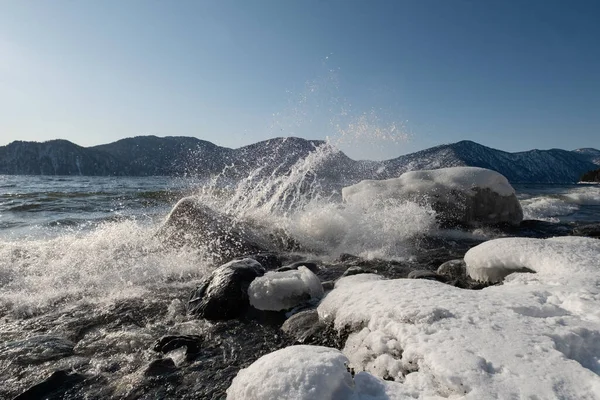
<point x="543" y="166"/>
<point x="151" y="155"/>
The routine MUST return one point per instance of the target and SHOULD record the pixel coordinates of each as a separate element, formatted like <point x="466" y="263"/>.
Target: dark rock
<point x="354" y="271"/>
<point x="269" y="261"/>
<point x="303" y="326"/>
<point x="195" y="224"/>
<point x="312" y="266"/>
<point x="425" y="274"/>
<point x="328" y="285"/>
<point x="453" y="269"/>
<point x="162" y="366"/>
<point x="345" y="257"/>
<point x="36" y="349"/>
<point x="53" y="387"/>
<point x="192" y="343"/>
<point x="224" y="294"/>
<point x="591" y="230"/>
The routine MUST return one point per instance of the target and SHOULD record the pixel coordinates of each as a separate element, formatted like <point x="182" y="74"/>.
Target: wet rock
<point x="36" y="349"/>
<point x="425" y="274"/>
<point x="195" y="224"/>
<point x="453" y="269"/>
<point x="224" y="294"/>
<point x="52" y="387"/>
<point x="328" y="285"/>
<point x="303" y="326"/>
<point x="354" y="271"/>
<point x="162" y="366"/>
<point x="269" y="261"/>
<point x="591" y="230"/>
<point x="312" y="266"/>
<point x="192" y="343"/>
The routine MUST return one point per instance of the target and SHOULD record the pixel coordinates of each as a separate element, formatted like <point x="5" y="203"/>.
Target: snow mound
<point x="308" y="373"/>
<point x="535" y="336"/>
<point x="466" y="195"/>
<point x="431" y="181"/>
<point x="276" y="291"/>
<point x="569" y="258"/>
<point x="296" y="372"/>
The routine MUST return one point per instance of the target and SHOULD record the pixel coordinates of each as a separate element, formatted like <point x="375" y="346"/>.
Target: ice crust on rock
<point x="535" y="336"/>
<point x="432" y="181"/>
<point x="307" y="373"/>
<point x="296" y="372"/>
<point x="467" y="195"/>
<point x="277" y="291"/>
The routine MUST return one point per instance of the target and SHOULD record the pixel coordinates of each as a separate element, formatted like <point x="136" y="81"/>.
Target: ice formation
<point x="276" y="291"/>
<point x="535" y="336"/>
<point x="437" y="181"/>
<point x="467" y="195"/>
<point x="296" y="372"/>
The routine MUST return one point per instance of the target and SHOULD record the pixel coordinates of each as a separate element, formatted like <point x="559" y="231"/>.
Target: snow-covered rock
<point x="308" y="373"/>
<point x="296" y="372"/>
<point x="277" y="291"/>
<point x="535" y="336"/>
<point x="467" y="195"/>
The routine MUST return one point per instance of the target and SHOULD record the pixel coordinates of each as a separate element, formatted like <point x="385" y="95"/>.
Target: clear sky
<point x="380" y="78"/>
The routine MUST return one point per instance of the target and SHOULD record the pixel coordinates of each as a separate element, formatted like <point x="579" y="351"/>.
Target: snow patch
<point x="438" y="182"/>
<point x="535" y="336"/>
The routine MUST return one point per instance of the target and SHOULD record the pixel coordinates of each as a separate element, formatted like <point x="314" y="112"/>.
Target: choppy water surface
<point x="86" y="286"/>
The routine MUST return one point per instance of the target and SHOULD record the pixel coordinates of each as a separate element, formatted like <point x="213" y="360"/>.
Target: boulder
<point x="166" y="344"/>
<point x="453" y="269"/>
<point x="52" y="387"/>
<point x="224" y="294"/>
<point x="195" y="224"/>
<point x="304" y="326"/>
<point x="466" y="196"/>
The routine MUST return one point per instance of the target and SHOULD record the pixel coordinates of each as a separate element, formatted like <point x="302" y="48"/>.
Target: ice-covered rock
<point x="296" y="372"/>
<point x="224" y="293"/>
<point x="535" y="336"/>
<point x="465" y="195"/>
<point x="307" y="373"/>
<point x="283" y="290"/>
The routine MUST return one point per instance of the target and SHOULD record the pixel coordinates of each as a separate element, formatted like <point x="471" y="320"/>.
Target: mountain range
<point x="153" y="156"/>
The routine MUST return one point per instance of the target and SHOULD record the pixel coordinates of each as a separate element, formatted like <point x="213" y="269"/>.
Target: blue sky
<point x="379" y="78"/>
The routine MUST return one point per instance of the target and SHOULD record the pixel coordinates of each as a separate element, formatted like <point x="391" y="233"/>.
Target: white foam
<point x="118" y="259"/>
<point x="546" y="208"/>
<point x="277" y="291"/>
<point x="534" y="336"/>
<point x="587" y="195"/>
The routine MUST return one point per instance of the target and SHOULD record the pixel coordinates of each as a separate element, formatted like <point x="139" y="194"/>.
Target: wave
<point x="589" y="195"/>
<point x="116" y="260"/>
<point x="547" y="208"/>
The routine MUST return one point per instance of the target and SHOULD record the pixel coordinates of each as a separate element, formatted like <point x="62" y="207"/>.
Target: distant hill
<point x="171" y="156"/>
<point x="543" y="166"/>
